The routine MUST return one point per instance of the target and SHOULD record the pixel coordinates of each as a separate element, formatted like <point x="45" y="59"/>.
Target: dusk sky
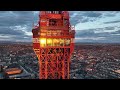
<point x="91" y="26"/>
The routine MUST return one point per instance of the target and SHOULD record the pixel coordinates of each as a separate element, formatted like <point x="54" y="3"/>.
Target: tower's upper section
<point x="54" y="18"/>
<point x="52" y="23"/>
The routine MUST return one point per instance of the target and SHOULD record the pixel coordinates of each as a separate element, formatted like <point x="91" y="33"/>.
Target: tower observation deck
<point x="53" y="43"/>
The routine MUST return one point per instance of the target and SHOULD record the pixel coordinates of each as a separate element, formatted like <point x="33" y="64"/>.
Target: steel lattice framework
<point x="53" y="43"/>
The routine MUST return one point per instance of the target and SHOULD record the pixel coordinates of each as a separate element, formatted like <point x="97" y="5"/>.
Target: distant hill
<point x="93" y="43"/>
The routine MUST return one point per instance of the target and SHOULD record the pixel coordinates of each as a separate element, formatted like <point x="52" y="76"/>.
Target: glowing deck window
<point x="42" y="42"/>
<point x="49" y="42"/>
<point x="67" y="42"/>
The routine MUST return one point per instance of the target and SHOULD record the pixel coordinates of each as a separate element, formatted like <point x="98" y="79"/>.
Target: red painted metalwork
<point x="53" y="43"/>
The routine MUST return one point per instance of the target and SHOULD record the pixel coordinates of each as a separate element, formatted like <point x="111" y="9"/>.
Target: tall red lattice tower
<point x="53" y="43"/>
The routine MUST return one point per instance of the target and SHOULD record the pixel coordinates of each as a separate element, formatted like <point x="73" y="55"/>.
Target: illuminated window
<point x="61" y="42"/>
<point x="56" y="42"/>
<point x="49" y="42"/>
<point x="42" y="42"/>
<point x="67" y="42"/>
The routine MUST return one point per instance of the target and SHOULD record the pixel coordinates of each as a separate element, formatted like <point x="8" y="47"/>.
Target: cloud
<point x="17" y="25"/>
<point x="15" y="18"/>
<point x="91" y="38"/>
<point x="92" y="14"/>
<point x="84" y="33"/>
<point x="84" y="16"/>
<point x="8" y="30"/>
<point x="112" y="22"/>
<point x="116" y="32"/>
<point x="109" y="28"/>
<point x="110" y="13"/>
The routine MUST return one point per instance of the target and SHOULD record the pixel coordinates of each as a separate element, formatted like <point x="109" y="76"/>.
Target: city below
<point x="88" y="61"/>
